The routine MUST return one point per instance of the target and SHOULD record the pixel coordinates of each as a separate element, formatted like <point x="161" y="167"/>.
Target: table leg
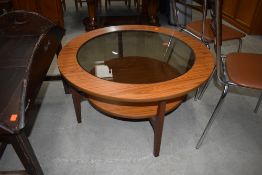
<point x="26" y="154"/>
<point x="120" y="45"/>
<point x="2" y="149"/>
<point x="150" y="8"/>
<point x="157" y="123"/>
<point x="91" y="21"/>
<point x="152" y="12"/>
<point x="77" y="98"/>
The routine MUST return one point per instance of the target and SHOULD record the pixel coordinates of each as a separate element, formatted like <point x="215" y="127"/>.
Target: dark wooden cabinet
<point x="48" y="8"/>
<point x="244" y="14"/>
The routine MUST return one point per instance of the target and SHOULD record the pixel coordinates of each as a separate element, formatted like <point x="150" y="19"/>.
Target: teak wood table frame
<point x="133" y="101"/>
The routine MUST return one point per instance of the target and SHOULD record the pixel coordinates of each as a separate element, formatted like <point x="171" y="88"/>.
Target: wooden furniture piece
<point x="28" y="45"/>
<point x="5" y="5"/>
<point x="245" y="15"/>
<point x="51" y="9"/>
<point x="108" y="2"/>
<point x="234" y="69"/>
<point x="144" y="71"/>
<point x="79" y="2"/>
<point x="63" y="4"/>
<point x="148" y="15"/>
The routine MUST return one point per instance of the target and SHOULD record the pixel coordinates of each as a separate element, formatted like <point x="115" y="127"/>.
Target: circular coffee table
<point x="134" y="71"/>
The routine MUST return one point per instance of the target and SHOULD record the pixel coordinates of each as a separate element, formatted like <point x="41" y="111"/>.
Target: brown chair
<point x="234" y="69"/>
<point x="108" y="2"/>
<point x="201" y="29"/>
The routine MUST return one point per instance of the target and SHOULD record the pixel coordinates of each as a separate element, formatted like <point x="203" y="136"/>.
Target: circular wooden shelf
<point x="133" y="110"/>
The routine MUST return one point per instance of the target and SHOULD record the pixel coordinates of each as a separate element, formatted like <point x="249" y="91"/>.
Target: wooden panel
<point x="245" y="12"/>
<point x="229" y="7"/>
<point x="28" y="5"/>
<point x="51" y="9"/>
<point x="257" y="20"/>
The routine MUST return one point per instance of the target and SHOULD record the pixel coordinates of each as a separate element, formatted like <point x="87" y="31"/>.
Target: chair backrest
<point x="202" y="6"/>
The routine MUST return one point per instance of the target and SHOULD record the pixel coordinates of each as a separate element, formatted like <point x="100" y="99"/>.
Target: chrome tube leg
<point x="196" y="94"/>
<point x="258" y="103"/>
<point x="204" y="87"/>
<point x="212" y="118"/>
<point x="240" y="45"/>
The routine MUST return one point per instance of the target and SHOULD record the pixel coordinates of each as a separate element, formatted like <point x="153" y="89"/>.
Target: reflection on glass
<point x="136" y="57"/>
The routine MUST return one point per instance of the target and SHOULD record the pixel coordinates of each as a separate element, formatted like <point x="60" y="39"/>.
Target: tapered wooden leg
<point x="66" y="86"/>
<point x="77" y="98"/>
<point x="26" y="154"/>
<point x="157" y="123"/>
<point x="2" y="149"/>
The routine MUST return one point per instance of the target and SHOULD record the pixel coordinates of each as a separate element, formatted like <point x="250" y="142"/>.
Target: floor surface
<point x="102" y="145"/>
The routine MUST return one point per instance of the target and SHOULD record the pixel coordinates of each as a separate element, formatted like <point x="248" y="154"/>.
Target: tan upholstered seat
<point x="228" y="33"/>
<point x="245" y="69"/>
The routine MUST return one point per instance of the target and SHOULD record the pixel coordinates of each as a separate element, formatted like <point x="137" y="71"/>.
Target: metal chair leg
<point x="240" y="45"/>
<point x="196" y="94"/>
<point x="204" y="87"/>
<point x="212" y="118"/>
<point x="258" y="103"/>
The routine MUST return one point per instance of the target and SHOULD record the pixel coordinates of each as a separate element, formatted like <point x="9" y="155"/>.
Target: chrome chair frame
<point x="202" y="9"/>
<point x="221" y="72"/>
<point x="258" y="103"/>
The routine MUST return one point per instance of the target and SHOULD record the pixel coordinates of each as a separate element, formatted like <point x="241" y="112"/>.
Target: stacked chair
<point x="201" y="29"/>
<point x="234" y="69"/>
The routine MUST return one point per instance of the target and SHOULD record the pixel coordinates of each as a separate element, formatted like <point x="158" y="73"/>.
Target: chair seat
<point x="245" y="69"/>
<point x="228" y="33"/>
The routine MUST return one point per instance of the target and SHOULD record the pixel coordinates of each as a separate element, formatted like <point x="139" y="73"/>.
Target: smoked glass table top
<point x="135" y="57"/>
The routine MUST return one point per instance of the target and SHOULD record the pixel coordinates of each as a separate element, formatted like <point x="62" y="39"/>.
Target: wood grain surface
<point x="133" y="110"/>
<point x="124" y="92"/>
